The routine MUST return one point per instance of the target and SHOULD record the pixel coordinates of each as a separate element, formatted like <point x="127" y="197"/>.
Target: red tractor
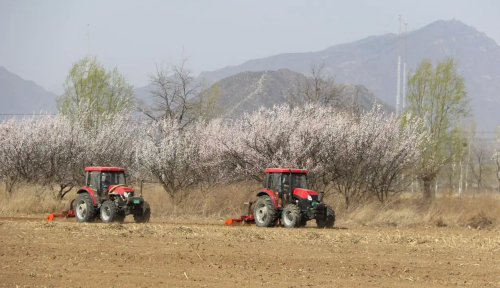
<point x="107" y="195"/>
<point x="286" y="198"/>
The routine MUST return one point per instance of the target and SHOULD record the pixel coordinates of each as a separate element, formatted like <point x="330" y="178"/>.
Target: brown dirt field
<point x="34" y="253"/>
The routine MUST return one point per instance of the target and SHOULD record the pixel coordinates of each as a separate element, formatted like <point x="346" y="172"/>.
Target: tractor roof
<point x="105" y="168"/>
<point x="285" y="170"/>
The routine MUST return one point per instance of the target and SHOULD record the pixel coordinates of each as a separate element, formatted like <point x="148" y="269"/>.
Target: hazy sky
<point x="39" y="40"/>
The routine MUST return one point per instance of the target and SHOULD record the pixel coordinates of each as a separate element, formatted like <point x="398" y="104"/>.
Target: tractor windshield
<point x="112" y="178"/>
<point x="299" y="180"/>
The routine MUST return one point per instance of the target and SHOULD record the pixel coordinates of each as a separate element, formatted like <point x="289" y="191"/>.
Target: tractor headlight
<point x="309" y="197"/>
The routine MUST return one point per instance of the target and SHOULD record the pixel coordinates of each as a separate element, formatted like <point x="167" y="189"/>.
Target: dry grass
<point x="481" y="211"/>
<point x="30" y="199"/>
<point x="475" y="212"/>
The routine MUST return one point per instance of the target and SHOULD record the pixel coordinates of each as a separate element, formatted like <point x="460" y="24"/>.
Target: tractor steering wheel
<point x="118" y="185"/>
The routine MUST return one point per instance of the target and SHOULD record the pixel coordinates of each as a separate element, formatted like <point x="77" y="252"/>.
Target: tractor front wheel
<point x="108" y="211"/>
<point x="291" y="216"/>
<point x="264" y="212"/>
<point x="302" y="222"/>
<point x="84" y="208"/>
<point x="146" y="214"/>
<point x="329" y="220"/>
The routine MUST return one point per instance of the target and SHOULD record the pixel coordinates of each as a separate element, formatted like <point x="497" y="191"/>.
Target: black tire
<point x="265" y="214"/>
<point x="302" y="222"/>
<point x="108" y="212"/>
<point x="329" y="220"/>
<point x="120" y="218"/>
<point x="290" y="216"/>
<point x="84" y="208"/>
<point x="146" y="214"/>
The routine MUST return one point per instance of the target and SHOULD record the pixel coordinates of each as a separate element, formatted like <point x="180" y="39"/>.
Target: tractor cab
<point x="288" y="184"/>
<point x="280" y="180"/>
<point x="102" y="179"/>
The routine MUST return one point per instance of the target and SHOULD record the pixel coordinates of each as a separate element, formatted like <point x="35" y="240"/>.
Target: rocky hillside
<point x="248" y="91"/>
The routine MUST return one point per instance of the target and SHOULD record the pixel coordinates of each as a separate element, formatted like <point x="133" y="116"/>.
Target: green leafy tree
<point x="437" y="95"/>
<point x="206" y="104"/>
<point x="91" y="91"/>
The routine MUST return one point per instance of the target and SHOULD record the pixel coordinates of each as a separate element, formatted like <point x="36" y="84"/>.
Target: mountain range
<point x="19" y="96"/>
<point x="372" y="62"/>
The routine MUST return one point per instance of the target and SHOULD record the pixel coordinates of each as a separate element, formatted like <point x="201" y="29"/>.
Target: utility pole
<point x="468" y="162"/>
<point x="399" y="69"/>
<point x="88" y="39"/>
<point x="404" y="68"/>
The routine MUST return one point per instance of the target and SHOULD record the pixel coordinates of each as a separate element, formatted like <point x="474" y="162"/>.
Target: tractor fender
<point x="86" y="189"/>
<point x="269" y="193"/>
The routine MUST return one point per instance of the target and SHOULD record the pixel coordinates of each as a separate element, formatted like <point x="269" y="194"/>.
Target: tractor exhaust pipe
<point x="142" y="181"/>
<point x="320" y="196"/>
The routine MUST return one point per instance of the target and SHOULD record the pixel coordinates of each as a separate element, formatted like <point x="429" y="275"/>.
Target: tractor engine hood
<point x="120" y="189"/>
<point x="303" y="193"/>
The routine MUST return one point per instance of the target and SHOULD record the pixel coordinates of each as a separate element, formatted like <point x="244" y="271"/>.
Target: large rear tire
<point x="329" y="220"/>
<point x="108" y="211"/>
<point x="84" y="208"/>
<point x="265" y="214"/>
<point x="290" y="216"/>
<point x="146" y="214"/>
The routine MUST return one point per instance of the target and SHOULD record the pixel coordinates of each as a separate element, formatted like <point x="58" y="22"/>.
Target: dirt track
<point x="66" y="254"/>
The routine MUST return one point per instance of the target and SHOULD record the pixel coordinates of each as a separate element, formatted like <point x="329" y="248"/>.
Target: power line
<point x="21" y="114"/>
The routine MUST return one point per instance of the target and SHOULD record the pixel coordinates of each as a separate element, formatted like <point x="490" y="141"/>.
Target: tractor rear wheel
<point x="84" y="208"/>
<point x="329" y="220"/>
<point x="290" y="216"/>
<point x="146" y="214"/>
<point x="264" y="212"/>
<point x="108" y="211"/>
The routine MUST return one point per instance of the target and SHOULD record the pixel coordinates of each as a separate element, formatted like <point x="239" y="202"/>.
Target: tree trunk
<point x="498" y="174"/>
<point x="498" y="177"/>
<point x="429" y="193"/>
<point x="9" y="184"/>
<point x="63" y="192"/>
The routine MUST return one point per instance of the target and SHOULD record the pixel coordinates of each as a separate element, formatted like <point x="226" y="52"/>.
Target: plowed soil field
<point x="34" y="253"/>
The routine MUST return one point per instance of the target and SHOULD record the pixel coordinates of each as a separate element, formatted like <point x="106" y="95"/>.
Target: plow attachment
<point x="246" y="219"/>
<point x="66" y="213"/>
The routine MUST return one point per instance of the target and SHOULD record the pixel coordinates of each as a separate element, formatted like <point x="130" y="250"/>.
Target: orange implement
<point x="246" y="219"/>
<point x="230" y="221"/>
<point x="66" y="213"/>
